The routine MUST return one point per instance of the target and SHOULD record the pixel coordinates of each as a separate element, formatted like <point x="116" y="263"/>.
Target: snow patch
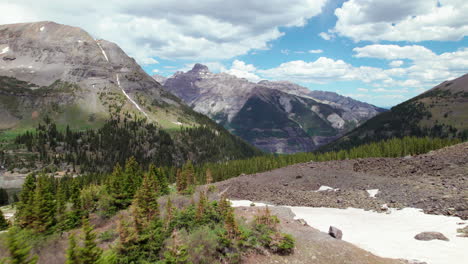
<point x="102" y="50"/>
<point x="389" y="235"/>
<point x="42" y="28"/>
<point x="372" y="192"/>
<point x="326" y="188"/>
<point x="5" y="50"/>
<point x="177" y="123"/>
<point x="129" y="98"/>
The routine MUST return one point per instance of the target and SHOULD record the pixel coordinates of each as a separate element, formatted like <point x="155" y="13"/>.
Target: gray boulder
<point x="335" y="232"/>
<point x="426" y="236"/>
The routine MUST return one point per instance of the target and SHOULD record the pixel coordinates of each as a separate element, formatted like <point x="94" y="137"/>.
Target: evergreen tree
<point x="3" y="222"/>
<point x="169" y="211"/>
<point x="176" y="252"/>
<point x="181" y="181"/>
<point x="209" y="176"/>
<point x="90" y="252"/>
<point x="230" y="224"/>
<point x="202" y="201"/>
<point x="24" y="211"/>
<point x="44" y="204"/>
<point x="162" y="180"/>
<point x="18" y="249"/>
<point x="189" y="173"/>
<point x="72" y="251"/>
<point x="146" y="200"/>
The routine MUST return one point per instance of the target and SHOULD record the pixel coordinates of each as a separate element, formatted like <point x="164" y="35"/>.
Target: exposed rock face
<point x="88" y="77"/>
<point x="427" y="236"/>
<point x="277" y="117"/>
<point x="335" y="232"/>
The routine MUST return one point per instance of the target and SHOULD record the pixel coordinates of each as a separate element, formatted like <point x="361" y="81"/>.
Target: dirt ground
<point x="436" y="182"/>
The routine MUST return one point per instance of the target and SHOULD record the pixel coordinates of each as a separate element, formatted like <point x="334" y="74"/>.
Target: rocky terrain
<point x="436" y="182"/>
<point x="277" y="117"/>
<point x="438" y="112"/>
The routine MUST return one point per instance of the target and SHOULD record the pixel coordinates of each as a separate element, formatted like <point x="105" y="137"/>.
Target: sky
<point x="378" y="51"/>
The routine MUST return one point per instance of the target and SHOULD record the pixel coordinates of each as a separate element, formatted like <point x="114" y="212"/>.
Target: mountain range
<point x="278" y="117"/>
<point x="440" y="112"/>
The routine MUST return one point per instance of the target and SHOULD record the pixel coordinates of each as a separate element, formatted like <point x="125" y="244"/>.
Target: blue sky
<point x="378" y="51"/>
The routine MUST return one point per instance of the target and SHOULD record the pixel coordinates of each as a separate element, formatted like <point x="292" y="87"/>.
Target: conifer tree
<point x="223" y="206"/>
<point x="181" y="181"/>
<point x="202" y="201"/>
<point x="132" y="178"/>
<point x="162" y="180"/>
<point x="3" y="222"/>
<point x="169" y="211"/>
<point x="115" y="186"/>
<point x="18" y="249"/>
<point x="189" y="172"/>
<point x="90" y="252"/>
<point x="209" y="176"/>
<point x="176" y="252"/>
<point x="230" y="224"/>
<point x="72" y="251"/>
<point x="44" y="204"/>
<point x="146" y="199"/>
<point x="24" y="213"/>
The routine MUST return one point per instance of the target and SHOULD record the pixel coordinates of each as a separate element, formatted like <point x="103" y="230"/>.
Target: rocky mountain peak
<point x="199" y="68"/>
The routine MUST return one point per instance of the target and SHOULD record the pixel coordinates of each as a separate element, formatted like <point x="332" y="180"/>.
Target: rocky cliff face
<point x="277" y="117"/>
<point x="73" y="77"/>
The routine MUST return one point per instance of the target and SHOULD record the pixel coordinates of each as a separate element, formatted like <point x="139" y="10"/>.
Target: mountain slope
<point x="62" y="73"/>
<point x="439" y="112"/>
<point x="104" y="81"/>
<point x="279" y="117"/>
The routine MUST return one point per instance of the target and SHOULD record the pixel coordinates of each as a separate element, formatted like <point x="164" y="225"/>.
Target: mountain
<point x="73" y="77"/>
<point x="58" y="72"/>
<point x="439" y="112"/>
<point x="279" y="117"/>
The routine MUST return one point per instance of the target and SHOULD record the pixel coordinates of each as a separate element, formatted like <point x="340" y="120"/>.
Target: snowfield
<point x="390" y="235"/>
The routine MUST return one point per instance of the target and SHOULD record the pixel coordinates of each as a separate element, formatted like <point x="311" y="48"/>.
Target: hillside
<point x="278" y="117"/>
<point x="438" y="112"/>
<point x="61" y="74"/>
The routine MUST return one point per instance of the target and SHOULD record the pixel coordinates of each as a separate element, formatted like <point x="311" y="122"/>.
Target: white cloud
<point x="315" y="51"/>
<point x="322" y="70"/>
<point x="285" y="51"/>
<point x="402" y="20"/>
<point x="193" y="30"/>
<point x="155" y="71"/>
<point x="396" y="63"/>
<point x="363" y="90"/>
<point x="393" y="52"/>
<point x="243" y="70"/>
<point x="325" y="36"/>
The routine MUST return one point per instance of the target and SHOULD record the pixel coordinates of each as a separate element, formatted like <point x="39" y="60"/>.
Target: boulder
<point x="426" y="236"/>
<point x="335" y="232"/>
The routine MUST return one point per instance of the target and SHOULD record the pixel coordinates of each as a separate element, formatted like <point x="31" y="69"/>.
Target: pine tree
<point x="209" y="176"/>
<point x="162" y="180"/>
<point x="24" y="213"/>
<point x="132" y="178"/>
<point x="18" y="249"/>
<point x="223" y="206"/>
<point x="189" y="172"/>
<point x="4" y="224"/>
<point x="202" y="201"/>
<point x="146" y="199"/>
<point x="90" y="252"/>
<point x="230" y="224"/>
<point x="169" y="212"/>
<point x="181" y="181"/>
<point x="72" y="251"/>
<point x="44" y="205"/>
<point x="176" y="252"/>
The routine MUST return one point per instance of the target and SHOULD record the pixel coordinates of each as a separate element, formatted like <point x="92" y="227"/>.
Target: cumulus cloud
<point x="193" y="30"/>
<point x="322" y="70"/>
<point x="325" y="35"/>
<point x="392" y="52"/>
<point x="243" y="70"/>
<point x="402" y="20"/>
<point x="396" y="63"/>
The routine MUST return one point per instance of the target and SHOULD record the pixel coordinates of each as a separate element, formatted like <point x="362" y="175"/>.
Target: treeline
<point x="119" y="139"/>
<point x="151" y="228"/>
<point x="395" y="147"/>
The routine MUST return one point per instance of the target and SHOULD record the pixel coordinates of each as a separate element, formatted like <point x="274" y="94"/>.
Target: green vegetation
<point x="194" y="230"/>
